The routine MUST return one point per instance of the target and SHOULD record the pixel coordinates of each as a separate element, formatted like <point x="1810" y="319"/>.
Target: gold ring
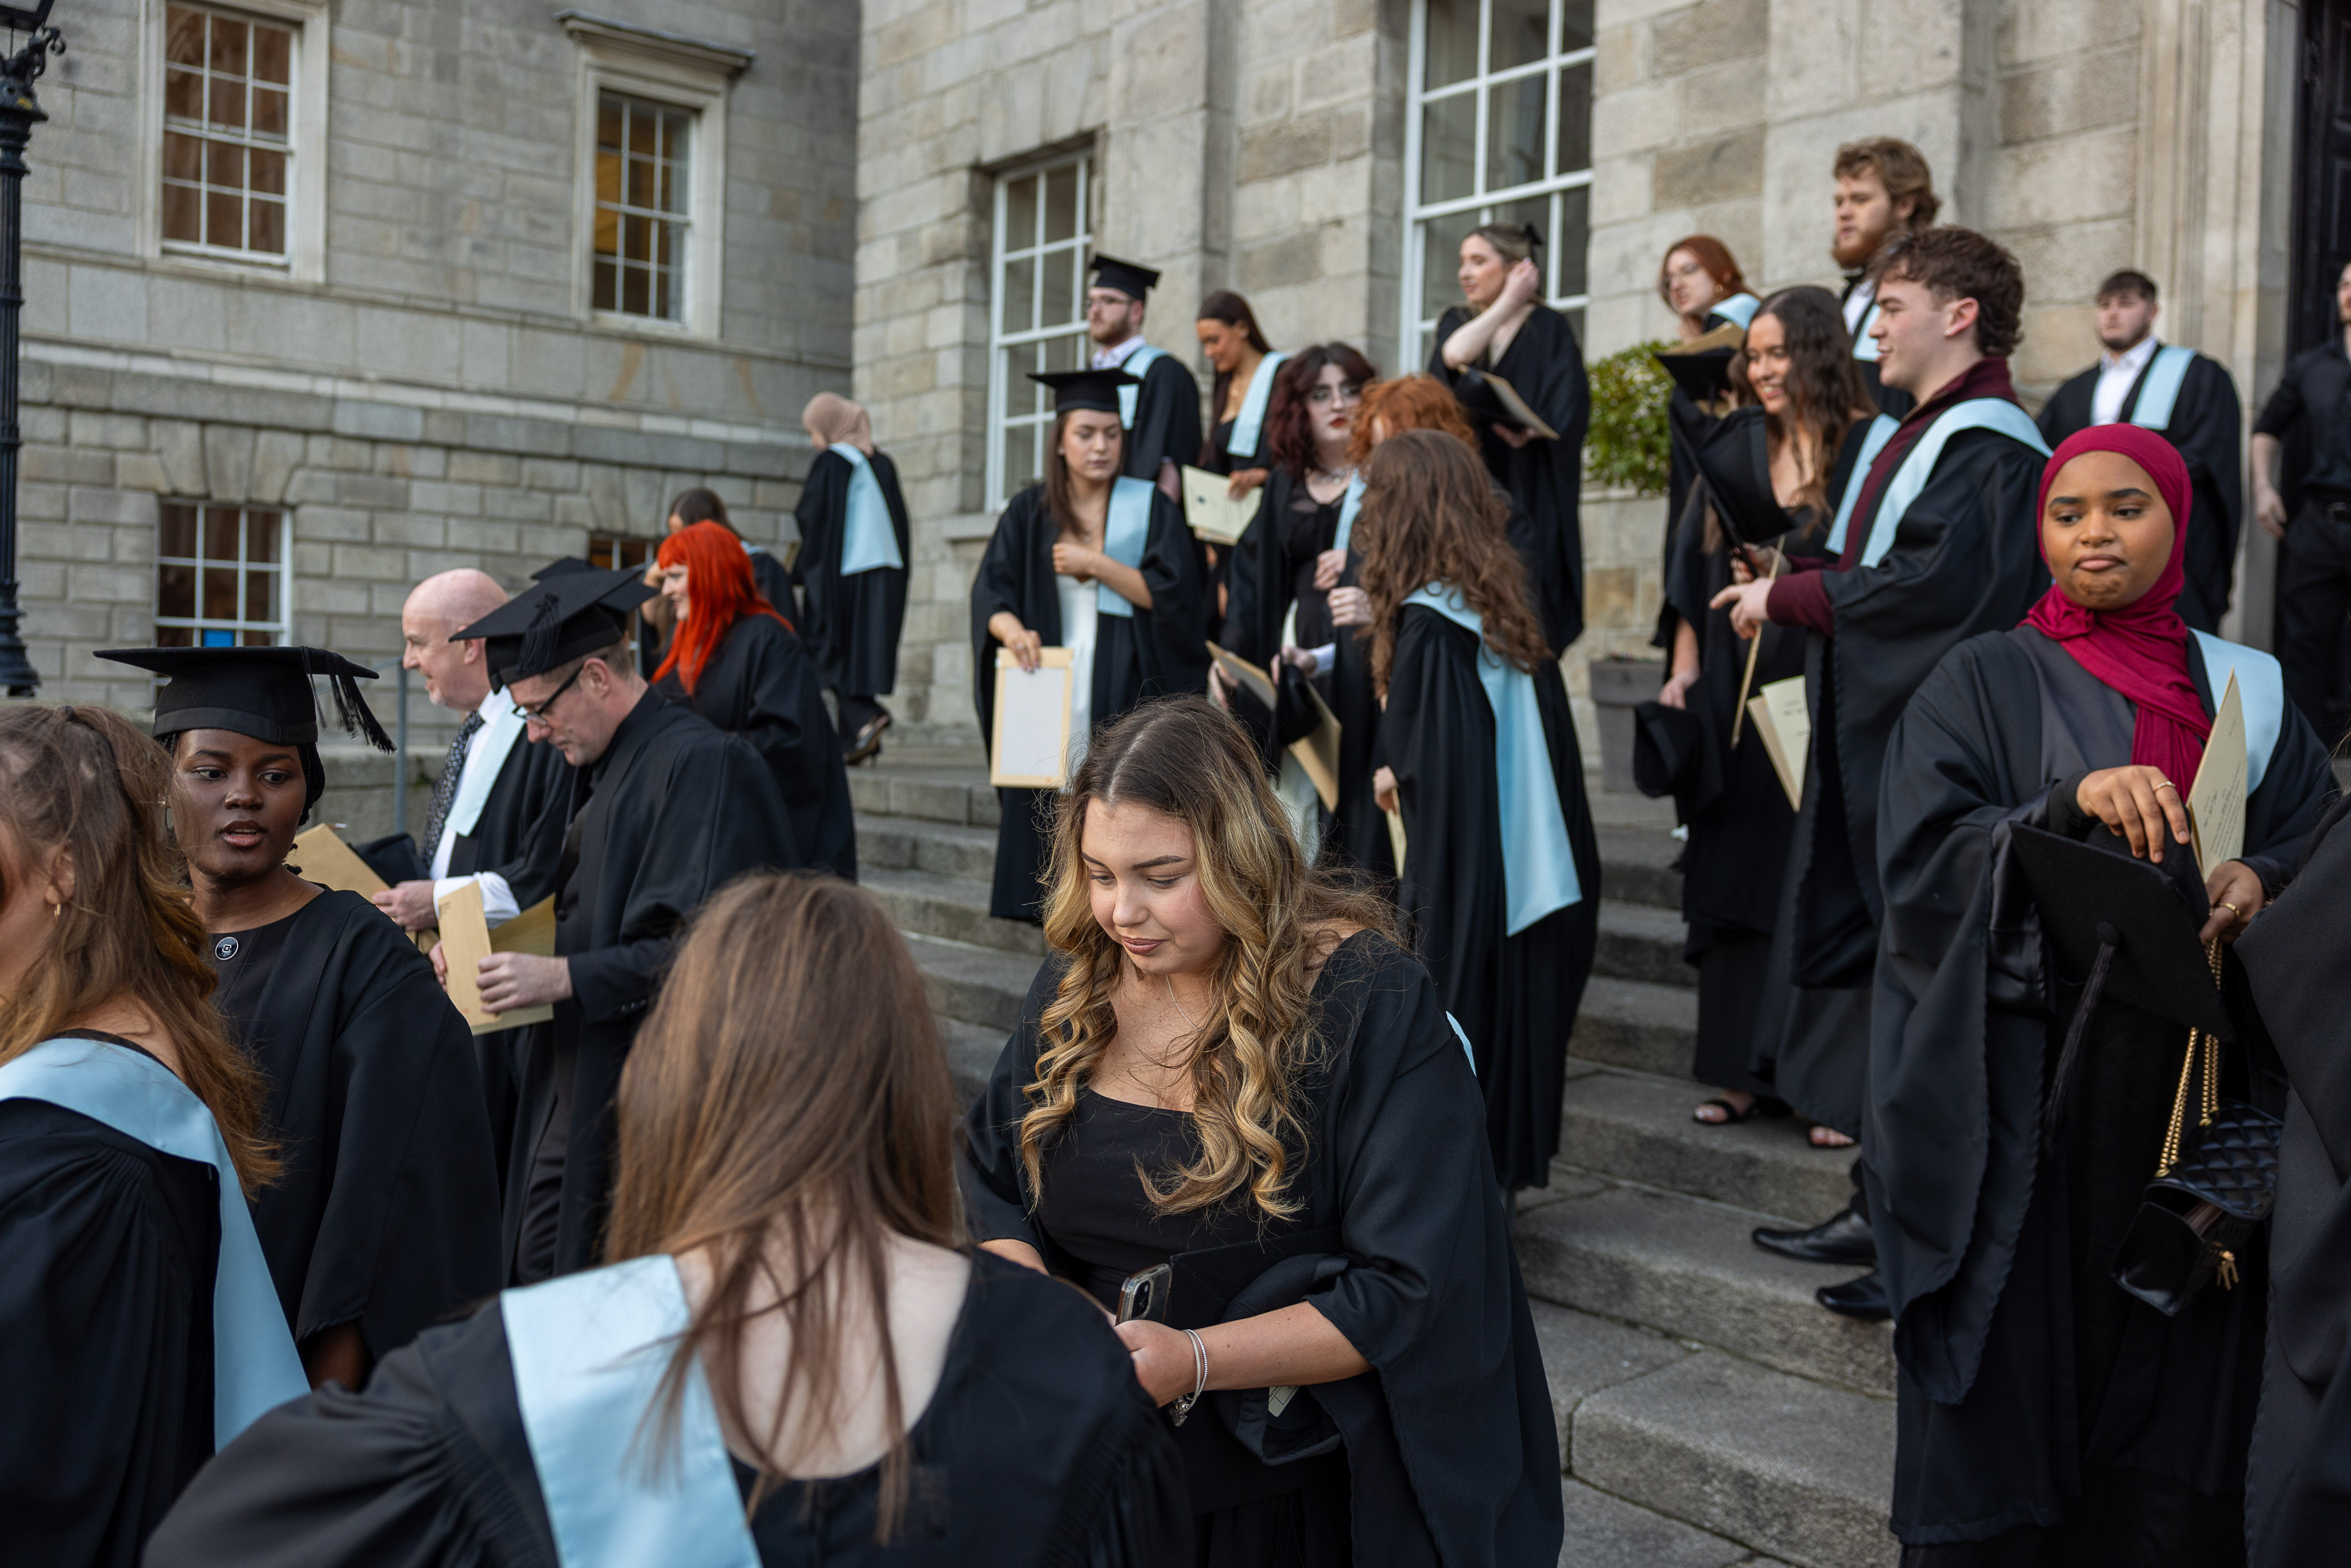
<point x="2167" y="784"/>
<point x="2235" y="914"/>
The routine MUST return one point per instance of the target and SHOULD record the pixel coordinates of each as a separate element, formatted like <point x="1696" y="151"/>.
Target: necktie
<point x="445" y="790"/>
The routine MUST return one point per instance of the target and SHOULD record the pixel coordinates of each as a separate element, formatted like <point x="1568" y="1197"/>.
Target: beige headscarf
<point x="834" y="419"/>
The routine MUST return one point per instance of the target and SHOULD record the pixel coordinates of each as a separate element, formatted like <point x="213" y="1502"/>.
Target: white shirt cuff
<point x="498" y="905"/>
<point x="1325" y="657"/>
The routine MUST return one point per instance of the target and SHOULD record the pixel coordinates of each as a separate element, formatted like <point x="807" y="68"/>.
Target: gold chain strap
<point x="2210" y="1098"/>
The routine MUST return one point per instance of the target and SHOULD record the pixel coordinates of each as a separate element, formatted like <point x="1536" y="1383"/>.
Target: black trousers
<point x="2314" y="595"/>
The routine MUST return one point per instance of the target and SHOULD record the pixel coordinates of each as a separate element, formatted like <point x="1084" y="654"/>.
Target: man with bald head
<point x="500" y="806"/>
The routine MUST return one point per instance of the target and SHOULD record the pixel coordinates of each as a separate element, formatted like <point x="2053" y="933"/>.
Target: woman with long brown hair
<point x="791" y="1357"/>
<point x="138" y="1323"/>
<point x="1096" y="562"/>
<point x="1501" y="873"/>
<point x="1234" y="1110"/>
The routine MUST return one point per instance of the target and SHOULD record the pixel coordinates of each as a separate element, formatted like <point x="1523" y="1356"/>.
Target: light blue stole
<point x="1125" y="530"/>
<point x="1865" y="347"/>
<point x="1538" y="864"/>
<point x="589" y="1353"/>
<point x="1348" y="508"/>
<point x="1130" y="397"/>
<point x="1740" y="309"/>
<point x="255" y="1366"/>
<point x="1251" y="418"/>
<point x="1918" y="466"/>
<point x="2261" y="695"/>
<point x="2161" y="391"/>
<point x="868" y="541"/>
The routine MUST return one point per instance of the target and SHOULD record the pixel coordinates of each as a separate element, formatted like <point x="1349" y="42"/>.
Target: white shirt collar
<point x="2132" y="358"/>
<point x="495" y="704"/>
<point x="1106" y="357"/>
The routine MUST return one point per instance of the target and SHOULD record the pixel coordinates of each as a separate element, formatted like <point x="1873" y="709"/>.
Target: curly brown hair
<point x="1902" y="169"/>
<point x="1406" y="403"/>
<point x="1952" y="263"/>
<point x="1288" y="417"/>
<point x="1181" y="757"/>
<point x="1431" y="514"/>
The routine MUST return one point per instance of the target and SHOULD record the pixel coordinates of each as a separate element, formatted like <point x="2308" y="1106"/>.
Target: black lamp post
<point x="19" y="112"/>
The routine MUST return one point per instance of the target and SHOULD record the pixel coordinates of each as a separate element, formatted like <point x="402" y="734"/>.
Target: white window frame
<point x="999" y="340"/>
<point x="282" y="627"/>
<point x="681" y="73"/>
<point x="305" y="150"/>
<point x="1472" y="210"/>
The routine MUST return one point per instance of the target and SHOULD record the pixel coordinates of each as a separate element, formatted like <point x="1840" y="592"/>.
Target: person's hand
<point x="1244" y="481"/>
<point x="440" y="966"/>
<point x="1513" y="436"/>
<point x="1748" y="604"/>
<point x="2140" y="803"/>
<point x="1765" y="557"/>
<point x="1350" y="607"/>
<point x="1025" y="646"/>
<point x="1328" y="567"/>
<point x="1523" y="284"/>
<point x="1075" y="561"/>
<point x="2236" y="894"/>
<point x="1297" y="658"/>
<point x="1674" y="693"/>
<point x="510" y="980"/>
<point x="2268" y="510"/>
<point x="1163" y="1362"/>
<point x="1384" y="790"/>
<point x="410" y="904"/>
<point x="1220" y="686"/>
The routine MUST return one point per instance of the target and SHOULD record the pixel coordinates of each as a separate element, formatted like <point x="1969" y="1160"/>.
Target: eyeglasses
<point x="1329" y="394"/>
<point x="538" y="714"/>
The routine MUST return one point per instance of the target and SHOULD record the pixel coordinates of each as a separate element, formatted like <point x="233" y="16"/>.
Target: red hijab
<point x="2141" y="648"/>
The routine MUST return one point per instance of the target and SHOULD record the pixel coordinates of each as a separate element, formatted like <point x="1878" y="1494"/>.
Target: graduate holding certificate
<point x="2041" y="1406"/>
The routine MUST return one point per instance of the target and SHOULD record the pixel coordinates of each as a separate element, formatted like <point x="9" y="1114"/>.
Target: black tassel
<point x="357" y="717"/>
<point x="2069" y="1060"/>
<point x="540" y="637"/>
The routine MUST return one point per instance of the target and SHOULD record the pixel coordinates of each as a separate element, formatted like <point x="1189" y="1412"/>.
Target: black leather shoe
<point x="1864" y="1298"/>
<point x="1842" y="1240"/>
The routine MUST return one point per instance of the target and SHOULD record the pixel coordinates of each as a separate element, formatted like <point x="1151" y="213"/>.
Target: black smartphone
<point x="1143" y="1297"/>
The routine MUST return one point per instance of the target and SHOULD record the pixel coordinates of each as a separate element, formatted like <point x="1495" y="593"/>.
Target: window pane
<point x="227" y="52"/>
<point x="220" y="593"/>
<point x="609" y="113"/>
<point x="1514" y="133"/>
<point x="1521" y="34"/>
<point x="1063" y="296"/>
<point x="608" y="284"/>
<point x="607" y="181"/>
<point x="639" y="190"/>
<point x="636" y="291"/>
<point x="184" y="37"/>
<point x="1452" y="42"/>
<point x="1535" y="210"/>
<point x="259" y="605"/>
<point x="1061" y="203"/>
<point x="221" y="530"/>
<point x="269" y="112"/>
<point x="184" y="95"/>
<point x="175" y="591"/>
<point x="224" y="164"/>
<point x="1448" y="148"/>
<point x="677" y="143"/>
<point x="261" y="536"/>
<point x="175" y="637"/>
<point x="268" y="171"/>
<point x="226" y="103"/>
<point x="1062" y="354"/>
<point x="1575" y="26"/>
<point x="1020" y="295"/>
<point x="224" y="220"/>
<point x="184" y="213"/>
<point x="268" y="231"/>
<point x="261" y="639"/>
<point x="1573" y="238"/>
<point x="1020" y="212"/>
<point x="175" y="530"/>
<point x="184" y="157"/>
<point x="1574" y="118"/>
<point x="636" y="238"/>
<point x="273" y="52"/>
<point x="1440" y="263"/>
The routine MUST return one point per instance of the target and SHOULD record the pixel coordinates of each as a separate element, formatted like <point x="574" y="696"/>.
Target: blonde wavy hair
<point x="1181" y="757"/>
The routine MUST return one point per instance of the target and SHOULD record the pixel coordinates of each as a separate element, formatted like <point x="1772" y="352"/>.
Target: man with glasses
<point x="1162" y="416"/>
<point x="665" y="809"/>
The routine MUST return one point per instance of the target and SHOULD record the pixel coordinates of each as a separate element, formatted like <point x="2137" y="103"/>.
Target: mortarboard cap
<point x="562" y="565"/>
<point x="1674" y="753"/>
<point x="1135" y="282"/>
<point x="569" y="613"/>
<point x="1734" y="455"/>
<point x="1096" y="390"/>
<point x="264" y="693"/>
<point x="1701" y="367"/>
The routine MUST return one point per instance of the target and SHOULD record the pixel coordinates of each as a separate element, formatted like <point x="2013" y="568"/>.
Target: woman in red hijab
<point x="735" y="660"/>
<point x="2044" y="1414"/>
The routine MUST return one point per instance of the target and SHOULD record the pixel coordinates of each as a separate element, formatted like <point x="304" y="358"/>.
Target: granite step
<point x="973" y="985"/>
<point x="1640" y="1024"/>
<point x="972" y="1050"/>
<point x="929" y="905"/>
<point x="1636" y="1127"/>
<point x="1687" y="1267"/>
<point x="911" y="843"/>
<point x="1642" y="942"/>
<point x="1636" y="864"/>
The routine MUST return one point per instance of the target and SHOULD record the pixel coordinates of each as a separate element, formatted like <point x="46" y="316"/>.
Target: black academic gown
<point x="1451" y="1452"/>
<point x="760" y="683"/>
<point x="2034" y="1394"/>
<point x="850" y="624"/>
<point x="1515" y="997"/>
<point x="1154" y="653"/>
<point x="1966" y="560"/>
<point x="106" y="1334"/>
<point x="1545" y="366"/>
<point x="1167" y="420"/>
<point x="674" y="810"/>
<point x="2207" y="428"/>
<point x="1038" y="1447"/>
<point x="2298" y="1488"/>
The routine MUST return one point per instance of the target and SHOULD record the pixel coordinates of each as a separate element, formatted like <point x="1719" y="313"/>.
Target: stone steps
<point x="1638" y="1127"/>
<point x="1638" y="1024"/>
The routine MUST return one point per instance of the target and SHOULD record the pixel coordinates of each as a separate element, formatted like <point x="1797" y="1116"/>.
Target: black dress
<point x="106" y="1334"/>
<point x="1038" y="1447"/>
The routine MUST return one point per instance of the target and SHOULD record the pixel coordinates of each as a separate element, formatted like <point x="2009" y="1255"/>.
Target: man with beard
<point x="1162" y="415"/>
<point x="2191" y="402"/>
<point x="1883" y="190"/>
<point x="2314" y="580"/>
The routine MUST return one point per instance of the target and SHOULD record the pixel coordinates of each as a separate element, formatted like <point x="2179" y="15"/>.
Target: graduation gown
<point x="850" y="624"/>
<point x="760" y="683"/>
<point x="1451" y="1452"/>
<point x="671" y="812"/>
<point x="1038" y="1447"/>
<point x="384" y="1213"/>
<point x="106" y="1334"/>
<point x="1167" y="421"/>
<point x="1514" y="997"/>
<point x="1157" y="652"/>
<point x="1545" y="365"/>
<point x="2206" y="426"/>
<point x="2034" y="1393"/>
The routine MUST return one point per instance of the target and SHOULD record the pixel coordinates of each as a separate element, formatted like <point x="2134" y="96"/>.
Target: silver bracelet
<point x="1183" y="1405"/>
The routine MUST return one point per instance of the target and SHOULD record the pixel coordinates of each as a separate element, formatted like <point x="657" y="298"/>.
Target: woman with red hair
<point x="735" y="661"/>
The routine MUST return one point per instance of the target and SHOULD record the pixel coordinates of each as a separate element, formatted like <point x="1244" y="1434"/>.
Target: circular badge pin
<point x="225" y="950"/>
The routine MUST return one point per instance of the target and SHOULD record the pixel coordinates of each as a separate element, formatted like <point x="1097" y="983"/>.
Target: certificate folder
<point x="1491" y="400"/>
<point x="1211" y="512"/>
<point x="1029" y="747"/>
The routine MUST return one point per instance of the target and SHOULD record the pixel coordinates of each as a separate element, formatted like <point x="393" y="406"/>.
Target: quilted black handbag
<point x="2211" y="1193"/>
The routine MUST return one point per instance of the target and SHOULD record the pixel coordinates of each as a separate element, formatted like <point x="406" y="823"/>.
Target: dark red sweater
<point x="1803" y="600"/>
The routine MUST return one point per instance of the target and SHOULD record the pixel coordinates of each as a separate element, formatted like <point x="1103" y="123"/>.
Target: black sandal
<point x="1764" y="1106"/>
<point x="869" y="740"/>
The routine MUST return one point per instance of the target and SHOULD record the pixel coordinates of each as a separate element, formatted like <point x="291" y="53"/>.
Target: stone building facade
<point x="1323" y="156"/>
<point x="324" y="298"/>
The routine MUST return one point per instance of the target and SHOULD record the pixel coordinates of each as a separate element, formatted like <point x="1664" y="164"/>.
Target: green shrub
<point x="1628" y="443"/>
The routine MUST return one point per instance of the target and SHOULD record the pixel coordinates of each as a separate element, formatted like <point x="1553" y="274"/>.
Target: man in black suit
<point x="2142" y="380"/>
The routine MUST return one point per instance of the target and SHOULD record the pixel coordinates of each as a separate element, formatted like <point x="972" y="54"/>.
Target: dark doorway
<point x="2322" y="163"/>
